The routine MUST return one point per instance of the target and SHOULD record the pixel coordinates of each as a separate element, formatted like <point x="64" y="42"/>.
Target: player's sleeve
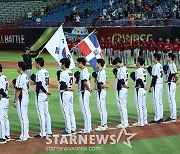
<point x="85" y="74"/>
<point x="102" y="78"/>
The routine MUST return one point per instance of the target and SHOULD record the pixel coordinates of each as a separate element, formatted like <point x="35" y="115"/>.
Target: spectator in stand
<point x="121" y="48"/>
<point x="167" y="49"/>
<point x="151" y="49"/>
<point x="127" y="51"/>
<point x="29" y="14"/>
<point x="103" y="47"/>
<point x="68" y="3"/>
<point x="116" y="48"/>
<point x="160" y="47"/>
<point x="109" y="46"/>
<point x="136" y="49"/>
<point x="176" y="51"/>
<point x="42" y="11"/>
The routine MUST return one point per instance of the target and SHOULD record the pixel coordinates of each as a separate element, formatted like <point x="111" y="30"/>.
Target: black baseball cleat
<point x="39" y="136"/>
<point x="169" y="119"/>
<point x="159" y="121"/>
<point x="2" y="141"/>
<point x="8" y="138"/>
<point x="152" y="122"/>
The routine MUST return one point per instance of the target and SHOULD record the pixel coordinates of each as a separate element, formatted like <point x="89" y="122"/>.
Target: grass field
<point x="113" y="113"/>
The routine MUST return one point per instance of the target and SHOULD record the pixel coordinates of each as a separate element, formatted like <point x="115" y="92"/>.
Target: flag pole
<point x="43" y="49"/>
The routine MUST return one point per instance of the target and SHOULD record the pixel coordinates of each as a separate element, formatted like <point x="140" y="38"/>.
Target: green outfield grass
<point x="113" y="113"/>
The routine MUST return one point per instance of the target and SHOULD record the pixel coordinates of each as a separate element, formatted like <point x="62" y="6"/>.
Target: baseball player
<point x="84" y="90"/>
<point x="156" y="88"/>
<point x="66" y="97"/>
<point x="121" y="88"/>
<point x="127" y="51"/>
<point x="171" y="80"/>
<point x="140" y="92"/>
<point x="121" y="48"/>
<point x="109" y="46"/>
<point x="41" y="80"/>
<point x="4" y="104"/>
<point x="176" y="51"/>
<point x="116" y="48"/>
<point x="103" y="47"/>
<point x="160" y="46"/>
<point x="167" y="48"/>
<point x="21" y="100"/>
<point x="136" y="46"/>
<point x="144" y="45"/>
<point x="100" y="89"/>
<point x="151" y="49"/>
<point x="28" y="61"/>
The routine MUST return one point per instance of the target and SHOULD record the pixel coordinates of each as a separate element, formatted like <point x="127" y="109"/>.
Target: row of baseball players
<point x="65" y="78"/>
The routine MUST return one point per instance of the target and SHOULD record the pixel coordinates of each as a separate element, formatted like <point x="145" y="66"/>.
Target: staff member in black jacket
<point x="28" y="61"/>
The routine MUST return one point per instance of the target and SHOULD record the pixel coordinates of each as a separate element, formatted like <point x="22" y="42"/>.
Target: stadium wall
<point x="17" y="38"/>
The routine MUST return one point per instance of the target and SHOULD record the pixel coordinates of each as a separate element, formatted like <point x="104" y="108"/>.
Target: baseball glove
<point x="149" y="69"/>
<point x="33" y="77"/>
<point x="77" y="74"/>
<point x="14" y="82"/>
<point x="94" y="75"/>
<point x="58" y="74"/>
<point x="132" y="75"/>
<point x="165" y="68"/>
<point x="115" y="71"/>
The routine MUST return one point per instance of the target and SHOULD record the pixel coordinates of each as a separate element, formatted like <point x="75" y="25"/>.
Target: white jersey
<point x="101" y="78"/>
<point x="4" y="83"/>
<point x="22" y="82"/>
<point x="122" y="73"/>
<point x="172" y="69"/>
<point x="66" y="76"/>
<point x="141" y="74"/>
<point x="157" y="70"/>
<point x="84" y="75"/>
<point x="43" y="77"/>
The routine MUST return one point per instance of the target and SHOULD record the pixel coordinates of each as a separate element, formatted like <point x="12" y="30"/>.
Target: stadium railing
<point x="97" y="23"/>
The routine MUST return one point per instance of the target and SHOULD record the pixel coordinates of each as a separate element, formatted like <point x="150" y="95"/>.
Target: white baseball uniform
<point x="140" y="95"/>
<point x="4" y="104"/>
<point x="121" y="94"/>
<point x="157" y="90"/>
<point x="22" y="84"/>
<point x="41" y="100"/>
<point x="84" y="96"/>
<point x="171" y="89"/>
<point x="66" y="100"/>
<point x="101" y="96"/>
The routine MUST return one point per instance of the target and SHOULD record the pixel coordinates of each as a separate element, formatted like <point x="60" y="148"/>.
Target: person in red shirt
<point x="159" y="48"/>
<point x="70" y="44"/>
<point x="167" y="49"/>
<point x="121" y="48"/>
<point x="176" y="51"/>
<point x="103" y="47"/>
<point x="109" y="46"/>
<point x="136" y="47"/>
<point x="116" y="48"/>
<point x="127" y="51"/>
<point x="78" y="52"/>
<point x="151" y="49"/>
<point x="144" y="45"/>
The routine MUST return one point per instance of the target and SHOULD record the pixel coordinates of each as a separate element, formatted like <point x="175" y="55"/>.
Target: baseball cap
<point x="26" y="48"/>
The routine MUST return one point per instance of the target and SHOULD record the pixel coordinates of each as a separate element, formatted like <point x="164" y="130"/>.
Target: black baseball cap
<point x="26" y="48"/>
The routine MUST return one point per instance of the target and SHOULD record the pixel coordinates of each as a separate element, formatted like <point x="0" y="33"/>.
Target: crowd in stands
<point x="141" y="9"/>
